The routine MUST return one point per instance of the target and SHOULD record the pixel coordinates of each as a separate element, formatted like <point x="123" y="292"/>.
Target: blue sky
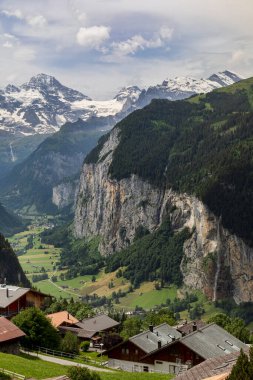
<point x="100" y="46"/>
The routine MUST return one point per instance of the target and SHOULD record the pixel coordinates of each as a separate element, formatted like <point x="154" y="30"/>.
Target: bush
<point x="4" y="376"/>
<point x="84" y="346"/>
<point x="82" y="373"/>
<point x="70" y="343"/>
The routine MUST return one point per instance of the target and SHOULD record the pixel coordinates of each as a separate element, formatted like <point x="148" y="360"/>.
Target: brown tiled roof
<point x="8" y="331"/>
<point x="57" y="319"/>
<point x="210" y="367"/>
<point x="98" y="323"/>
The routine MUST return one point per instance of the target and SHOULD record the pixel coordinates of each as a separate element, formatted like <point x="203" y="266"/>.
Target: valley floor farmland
<point x="37" y="258"/>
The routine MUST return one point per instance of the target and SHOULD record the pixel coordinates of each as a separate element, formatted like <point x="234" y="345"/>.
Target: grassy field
<point x="32" y="367"/>
<point x="147" y="297"/>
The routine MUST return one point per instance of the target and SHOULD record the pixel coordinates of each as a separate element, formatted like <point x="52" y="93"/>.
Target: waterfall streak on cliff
<point x="216" y="278"/>
<point x="13" y="158"/>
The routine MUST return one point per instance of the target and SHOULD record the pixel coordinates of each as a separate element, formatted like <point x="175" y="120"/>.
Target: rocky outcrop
<point x="65" y="194"/>
<point x="214" y="261"/>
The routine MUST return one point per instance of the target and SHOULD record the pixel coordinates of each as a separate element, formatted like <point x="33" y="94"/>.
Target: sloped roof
<point x="57" y="319"/>
<point x="187" y="328"/>
<point x="211" y="341"/>
<point x="223" y="376"/>
<point x="10" y="294"/>
<point x="8" y="331"/>
<point x="81" y="333"/>
<point x="98" y="323"/>
<point x="217" y="366"/>
<point x="148" y="340"/>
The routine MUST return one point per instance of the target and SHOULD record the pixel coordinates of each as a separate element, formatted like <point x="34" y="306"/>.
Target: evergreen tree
<point x="242" y="370"/>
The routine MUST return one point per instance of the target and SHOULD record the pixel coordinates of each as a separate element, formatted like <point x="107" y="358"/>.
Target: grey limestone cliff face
<point x="218" y="263"/>
<point x="65" y="194"/>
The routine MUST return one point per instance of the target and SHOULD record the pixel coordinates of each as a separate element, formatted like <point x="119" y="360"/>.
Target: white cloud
<point x="137" y="42"/>
<point x="9" y="41"/>
<point x="93" y="36"/>
<point x="166" y="33"/>
<point x="38" y="21"/>
<point x="16" y="13"/>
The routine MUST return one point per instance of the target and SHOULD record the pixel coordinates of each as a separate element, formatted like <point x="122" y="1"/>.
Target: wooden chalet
<point x="163" y="349"/>
<point x="10" y="336"/>
<point x="13" y="299"/>
<point x="96" y="330"/>
<point x="217" y="368"/>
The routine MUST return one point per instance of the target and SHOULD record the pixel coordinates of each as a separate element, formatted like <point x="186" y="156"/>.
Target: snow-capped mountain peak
<point x="43" y="80"/>
<point x="128" y="93"/>
<point x="43" y="104"/>
<point x="225" y="78"/>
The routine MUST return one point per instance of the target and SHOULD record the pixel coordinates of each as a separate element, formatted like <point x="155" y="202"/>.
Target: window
<point x="158" y="362"/>
<point x="136" y="351"/>
<point x="123" y="351"/>
<point x="145" y="368"/>
<point x="127" y="351"/>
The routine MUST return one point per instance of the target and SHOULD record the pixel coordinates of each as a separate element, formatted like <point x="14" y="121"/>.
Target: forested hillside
<point x="10" y="268"/>
<point x="9" y="223"/>
<point x="201" y="146"/>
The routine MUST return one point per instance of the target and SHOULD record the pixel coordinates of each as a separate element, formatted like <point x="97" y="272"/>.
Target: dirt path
<point x="67" y="362"/>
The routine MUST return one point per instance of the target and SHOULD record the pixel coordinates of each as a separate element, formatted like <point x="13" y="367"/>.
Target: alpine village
<point x="126" y="224"/>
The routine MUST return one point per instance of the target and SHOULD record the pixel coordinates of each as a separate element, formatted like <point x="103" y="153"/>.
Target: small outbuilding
<point x="10" y="336"/>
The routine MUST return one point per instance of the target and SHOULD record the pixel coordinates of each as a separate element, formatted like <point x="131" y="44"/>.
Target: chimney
<point x="7" y="293"/>
<point x="194" y="326"/>
<point x="151" y="328"/>
<point x="159" y="343"/>
<point x="68" y="316"/>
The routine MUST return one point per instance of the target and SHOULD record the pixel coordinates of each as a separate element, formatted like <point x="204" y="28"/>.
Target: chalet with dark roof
<point x="219" y="366"/>
<point x="13" y="299"/>
<point x="163" y="349"/>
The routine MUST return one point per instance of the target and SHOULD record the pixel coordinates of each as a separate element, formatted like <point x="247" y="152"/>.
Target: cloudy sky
<point x="98" y="46"/>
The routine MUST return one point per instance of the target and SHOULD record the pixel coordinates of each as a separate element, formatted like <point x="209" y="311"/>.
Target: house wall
<point x="175" y="353"/>
<point x="34" y="299"/>
<point x="14" y="308"/>
<point x="127" y="352"/>
<point x="12" y="347"/>
<point x="158" y="366"/>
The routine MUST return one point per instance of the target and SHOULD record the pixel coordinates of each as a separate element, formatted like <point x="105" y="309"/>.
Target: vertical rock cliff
<point x="214" y="261"/>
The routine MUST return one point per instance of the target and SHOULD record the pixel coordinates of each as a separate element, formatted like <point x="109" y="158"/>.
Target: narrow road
<point x="67" y="362"/>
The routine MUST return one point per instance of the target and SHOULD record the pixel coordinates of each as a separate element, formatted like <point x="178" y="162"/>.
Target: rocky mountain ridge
<point x="43" y="104"/>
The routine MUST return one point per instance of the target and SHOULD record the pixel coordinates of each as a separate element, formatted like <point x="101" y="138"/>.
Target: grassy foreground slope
<point x="32" y="367"/>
